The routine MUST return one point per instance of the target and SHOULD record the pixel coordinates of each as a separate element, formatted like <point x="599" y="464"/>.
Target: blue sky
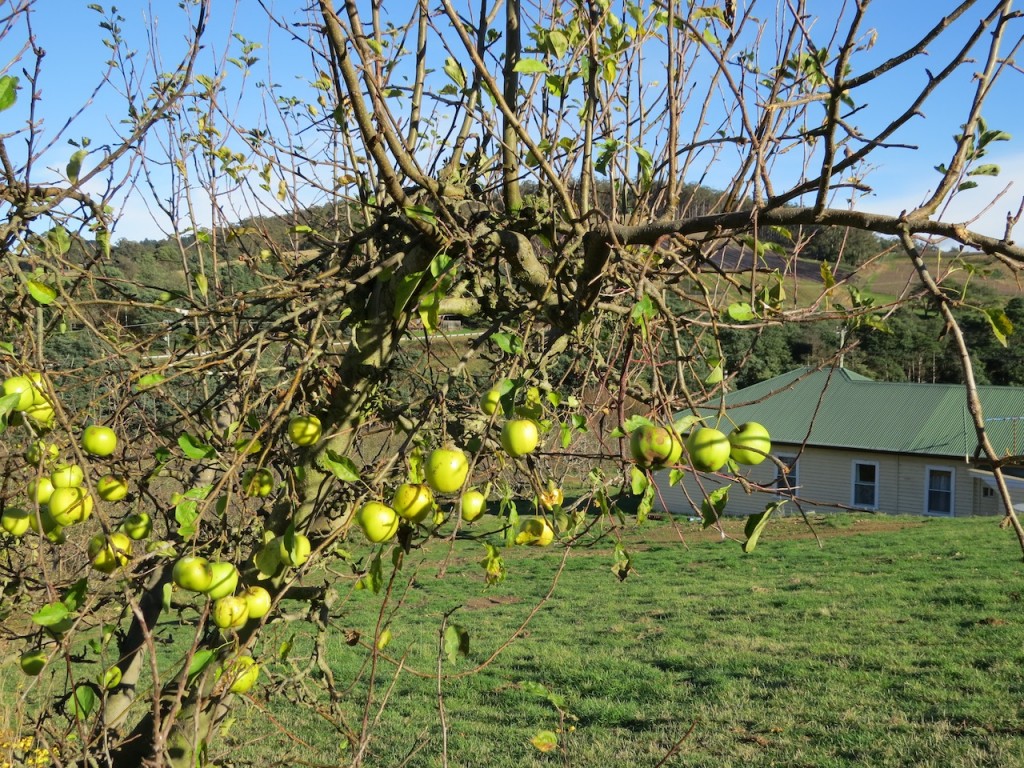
<point x="75" y="54"/>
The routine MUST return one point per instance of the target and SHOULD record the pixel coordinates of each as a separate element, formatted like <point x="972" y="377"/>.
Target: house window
<point x="938" y="491"/>
<point x="988" y="492"/>
<point x="865" y="484"/>
<point x="787" y="483"/>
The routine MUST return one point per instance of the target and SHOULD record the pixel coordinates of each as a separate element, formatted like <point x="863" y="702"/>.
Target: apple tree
<point x="473" y="251"/>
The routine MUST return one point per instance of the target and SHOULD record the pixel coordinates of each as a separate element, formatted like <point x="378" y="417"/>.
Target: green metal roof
<point x="838" y="408"/>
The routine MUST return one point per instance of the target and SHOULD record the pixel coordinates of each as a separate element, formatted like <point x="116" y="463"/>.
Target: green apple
<point x="106" y="554"/>
<point x="99" y="440"/>
<point x="230" y="612"/>
<point x="45" y="519"/>
<point x="446" y="469"/>
<point x="708" y="449"/>
<point x="378" y="521"/>
<point x="257" y="482"/>
<point x="40" y="489"/>
<point x="192" y="573"/>
<point x="28" y="388"/>
<point x="472" y="505"/>
<point x="112" y="488"/>
<point x="32" y="662"/>
<point x="304" y="430"/>
<point x="70" y="505"/>
<point x="413" y="501"/>
<point x="42" y="414"/>
<point x="490" y="402"/>
<point x="258" y="600"/>
<point x="137" y="525"/>
<point x="299" y="552"/>
<point x="223" y="580"/>
<point x="67" y="476"/>
<point x="655" y="447"/>
<point x="535" y="531"/>
<point x="519" y="437"/>
<point x="41" y="452"/>
<point x="241" y="673"/>
<point x="16" y="521"/>
<point x="749" y="443"/>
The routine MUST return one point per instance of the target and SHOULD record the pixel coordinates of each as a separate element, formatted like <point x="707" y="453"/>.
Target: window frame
<point x="928" y="472"/>
<point x="854" y="484"/>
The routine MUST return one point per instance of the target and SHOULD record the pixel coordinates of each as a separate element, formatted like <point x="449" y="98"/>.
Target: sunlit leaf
<point x="340" y="466"/>
<point x="456" y="642"/>
<point x="41" y="292"/>
<point x="756" y="524"/>
<point x="531" y="67"/>
<point x="545" y="741"/>
<point x="8" y="91"/>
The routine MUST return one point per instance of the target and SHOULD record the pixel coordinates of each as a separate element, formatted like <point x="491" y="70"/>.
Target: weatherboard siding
<point x="826" y="478"/>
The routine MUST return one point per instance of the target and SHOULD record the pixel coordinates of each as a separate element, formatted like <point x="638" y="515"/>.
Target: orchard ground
<point x="897" y="641"/>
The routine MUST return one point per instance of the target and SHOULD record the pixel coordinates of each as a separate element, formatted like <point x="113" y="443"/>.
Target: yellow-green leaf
<point x="41" y="292"/>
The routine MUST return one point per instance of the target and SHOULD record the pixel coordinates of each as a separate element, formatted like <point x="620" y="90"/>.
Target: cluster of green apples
<point x="218" y="580"/>
<point x="707" y="449"/>
<point x="446" y="471"/>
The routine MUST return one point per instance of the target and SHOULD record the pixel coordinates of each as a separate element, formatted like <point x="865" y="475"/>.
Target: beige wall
<point x="825" y="478"/>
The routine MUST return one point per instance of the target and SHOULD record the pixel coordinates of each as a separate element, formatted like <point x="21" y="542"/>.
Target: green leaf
<point x="373" y="579"/>
<point x="713" y="506"/>
<point x="202" y="284"/>
<point x="1001" y="325"/>
<point x="454" y="70"/>
<point x="646" y="504"/>
<point x="826" y="275"/>
<point x="634" y="423"/>
<point x="756" y="524"/>
<point x="508" y="343"/>
<point x="74" y="166"/>
<point x="186" y="512"/>
<point x="8" y="91"/>
<point x="149" y="381"/>
<point x="84" y="701"/>
<point x="643" y="311"/>
<point x="545" y="741"/>
<point x="76" y="593"/>
<point x="456" y="642"/>
<point x="494" y="566"/>
<point x="622" y="565"/>
<point x="200" y="661"/>
<point x="989" y="169"/>
<point x="638" y="481"/>
<point x="558" y="43"/>
<point x="407" y="285"/>
<point x="530" y="67"/>
<point x="965" y="186"/>
<point x="422" y="213"/>
<point x="51" y="615"/>
<point x="41" y="292"/>
<point x="741" y="312"/>
<point x="340" y="466"/>
<point x="429" y="310"/>
<point x="194" y="449"/>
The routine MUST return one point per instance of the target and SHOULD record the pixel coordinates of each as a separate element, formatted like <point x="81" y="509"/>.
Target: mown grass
<point x="898" y="643"/>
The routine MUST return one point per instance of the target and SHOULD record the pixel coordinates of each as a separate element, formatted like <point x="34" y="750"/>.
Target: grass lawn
<point x="900" y="642"/>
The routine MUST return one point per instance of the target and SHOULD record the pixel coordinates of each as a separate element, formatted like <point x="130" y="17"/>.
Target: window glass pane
<point x="940" y="491"/>
<point x="865" y="488"/>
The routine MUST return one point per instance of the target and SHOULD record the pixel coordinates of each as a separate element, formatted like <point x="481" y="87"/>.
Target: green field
<point x="899" y="642"/>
